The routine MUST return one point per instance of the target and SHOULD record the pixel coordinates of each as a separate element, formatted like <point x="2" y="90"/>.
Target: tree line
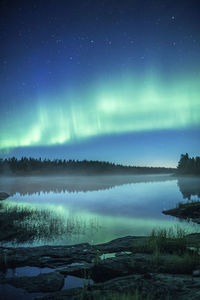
<point x="189" y="165"/>
<point x="47" y="166"/>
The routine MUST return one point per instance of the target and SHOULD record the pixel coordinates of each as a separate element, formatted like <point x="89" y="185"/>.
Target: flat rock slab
<point x="186" y="211"/>
<point x="156" y="286"/>
<point x="121" y="266"/>
<point x="49" y="282"/>
<point x="3" y="196"/>
<point x="76" y="269"/>
<point x="123" y="273"/>
<point x="58" y="256"/>
<point x="48" y="256"/>
<point x="194" y="239"/>
<point x="126" y="243"/>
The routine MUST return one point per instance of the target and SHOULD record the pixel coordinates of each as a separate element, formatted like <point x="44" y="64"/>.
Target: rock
<point x="196" y="220"/>
<point x="49" y="282"/>
<point x="48" y="256"/>
<point x="193" y="239"/>
<point x="126" y="243"/>
<point x="58" y="256"/>
<point x="196" y="273"/>
<point x="121" y="266"/>
<point x="186" y="211"/>
<point x="3" y="195"/>
<point x="76" y="269"/>
<point x="66" y="256"/>
<point x="123" y="273"/>
<point x="158" y="286"/>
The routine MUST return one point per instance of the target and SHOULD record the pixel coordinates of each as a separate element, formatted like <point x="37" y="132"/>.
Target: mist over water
<point x="57" y="184"/>
<point x="94" y="209"/>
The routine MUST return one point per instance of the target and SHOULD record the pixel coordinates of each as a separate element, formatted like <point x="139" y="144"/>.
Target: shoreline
<point x="147" y="266"/>
<point x="120" y="266"/>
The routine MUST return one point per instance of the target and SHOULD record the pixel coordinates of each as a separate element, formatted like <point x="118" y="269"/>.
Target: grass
<point x="184" y="264"/>
<point x="105" y="295"/>
<point x="97" y="258"/>
<point x="96" y="295"/>
<point x="125" y="296"/>
<point x="169" y="249"/>
<point x="3" y="260"/>
<point x="188" y="204"/>
<point x="24" y="223"/>
<point x="172" y="240"/>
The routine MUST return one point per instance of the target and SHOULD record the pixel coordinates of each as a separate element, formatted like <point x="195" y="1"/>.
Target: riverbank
<point x="188" y="211"/>
<point x="163" y="265"/>
<point x="156" y="267"/>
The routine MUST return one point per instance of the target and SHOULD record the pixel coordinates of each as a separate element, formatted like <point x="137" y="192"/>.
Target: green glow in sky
<point x="119" y="106"/>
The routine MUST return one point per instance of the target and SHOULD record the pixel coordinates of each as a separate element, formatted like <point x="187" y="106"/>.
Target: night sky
<point x="114" y="80"/>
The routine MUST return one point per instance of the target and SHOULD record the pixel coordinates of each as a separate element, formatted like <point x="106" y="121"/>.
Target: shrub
<point x="164" y="241"/>
<point x="184" y="264"/>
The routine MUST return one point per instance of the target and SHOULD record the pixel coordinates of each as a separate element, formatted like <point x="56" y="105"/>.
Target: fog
<point x="96" y="209"/>
<point x="57" y="184"/>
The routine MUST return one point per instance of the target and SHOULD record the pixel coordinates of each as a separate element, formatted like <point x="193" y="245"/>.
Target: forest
<point x="189" y="165"/>
<point x="38" y="166"/>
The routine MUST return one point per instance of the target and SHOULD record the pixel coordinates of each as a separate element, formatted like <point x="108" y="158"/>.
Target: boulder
<point x="3" y="195"/>
<point x="126" y="243"/>
<point x="48" y="256"/>
<point x="49" y="282"/>
<point x="156" y="286"/>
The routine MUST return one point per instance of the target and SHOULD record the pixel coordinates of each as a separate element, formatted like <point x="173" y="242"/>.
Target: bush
<point x="167" y="240"/>
<point x="182" y="264"/>
<point x="172" y="240"/>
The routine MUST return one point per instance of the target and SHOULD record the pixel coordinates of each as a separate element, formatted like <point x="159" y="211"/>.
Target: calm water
<point x="67" y="210"/>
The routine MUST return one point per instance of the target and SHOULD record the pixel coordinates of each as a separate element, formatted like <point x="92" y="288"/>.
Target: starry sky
<point x="114" y="80"/>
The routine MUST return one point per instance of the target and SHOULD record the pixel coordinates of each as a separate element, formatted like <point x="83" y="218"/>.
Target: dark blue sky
<point x="108" y="80"/>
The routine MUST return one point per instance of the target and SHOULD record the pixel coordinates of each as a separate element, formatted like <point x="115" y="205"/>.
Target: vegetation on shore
<point x="20" y="223"/>
<point x="46" y="166"/>
<point x="186" y="166"/>
<point x="112" y="296"/>
<point x="171" y="240"/>
<point x="188" y="211"/>
<point x="147" y="273"/>
<point x="189" y="165"/>
<point x="170" y="250"/>
<point x="191" y="204"/>
<point x="164" y="251"/>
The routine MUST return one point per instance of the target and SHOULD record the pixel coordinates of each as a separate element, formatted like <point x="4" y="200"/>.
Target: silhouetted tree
<point x="187" y="165"/>
<point x="46" y="166"/>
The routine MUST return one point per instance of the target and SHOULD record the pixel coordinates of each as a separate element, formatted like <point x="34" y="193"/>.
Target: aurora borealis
<point x="79" y="78"/>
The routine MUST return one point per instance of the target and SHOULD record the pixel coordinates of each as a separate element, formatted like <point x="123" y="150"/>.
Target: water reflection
<point x="189" y="186"/>
<point x="46" y="211"/>
<point x="46" y="184"/>
<point x="26" y="223"/>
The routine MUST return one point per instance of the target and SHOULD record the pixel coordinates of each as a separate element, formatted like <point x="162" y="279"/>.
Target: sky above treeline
<point x="114" y="80"/>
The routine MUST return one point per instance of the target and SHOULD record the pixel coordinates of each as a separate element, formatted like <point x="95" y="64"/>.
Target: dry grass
<point x="20" y="223"/>
<point x="172" y="240"/>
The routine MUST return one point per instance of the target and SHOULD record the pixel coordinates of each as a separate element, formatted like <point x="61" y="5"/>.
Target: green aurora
<point x="119" y="106"/>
